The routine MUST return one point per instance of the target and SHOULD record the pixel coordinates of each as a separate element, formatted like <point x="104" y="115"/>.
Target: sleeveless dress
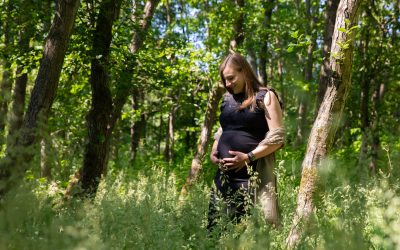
<point x="242" y="130"/>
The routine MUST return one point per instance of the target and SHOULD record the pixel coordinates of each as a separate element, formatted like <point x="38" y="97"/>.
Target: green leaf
<point x="295" y="34"/>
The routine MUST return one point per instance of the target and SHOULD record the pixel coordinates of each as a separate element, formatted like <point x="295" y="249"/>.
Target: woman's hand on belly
<point x="237" y="162"/>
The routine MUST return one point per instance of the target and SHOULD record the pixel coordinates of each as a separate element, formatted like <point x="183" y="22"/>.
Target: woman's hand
<point x="214" y="158"/>
<point x="237" y="162"/>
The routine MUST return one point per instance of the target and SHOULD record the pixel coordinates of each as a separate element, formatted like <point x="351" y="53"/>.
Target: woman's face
<point x="234" y="80"/>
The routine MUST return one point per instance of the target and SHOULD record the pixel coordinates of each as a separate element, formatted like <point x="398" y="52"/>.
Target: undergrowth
<point x="142" y="210"/>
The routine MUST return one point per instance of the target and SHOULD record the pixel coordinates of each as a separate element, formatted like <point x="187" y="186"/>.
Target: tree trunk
<point x="206" y="129"/>
<point x="365" y="97"/>
<point x="377" y="98"/>
<point x="138" y="127"/>
<point x="330" y="17"/>
<point x="45" y="164"/>
<point x="42" y="95"/>
<point x="327" y="121"/>
<point x="6" y="84"/>
<point x="169" y="139"/>
<point x="268" y="7"/>
<point x="19" y="93"/>
<point x="104" y="112"/>
<point x="98" y="118"/>
<point x="301" y="121"/>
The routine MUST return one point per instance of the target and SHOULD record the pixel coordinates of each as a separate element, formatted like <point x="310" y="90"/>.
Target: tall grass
<point x="142" y="211"/>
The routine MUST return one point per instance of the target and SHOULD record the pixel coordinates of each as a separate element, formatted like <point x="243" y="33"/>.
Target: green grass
<point x="141" y="210"/>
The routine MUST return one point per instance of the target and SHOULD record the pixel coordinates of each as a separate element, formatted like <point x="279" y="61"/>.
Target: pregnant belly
<point x="236" y="141"/>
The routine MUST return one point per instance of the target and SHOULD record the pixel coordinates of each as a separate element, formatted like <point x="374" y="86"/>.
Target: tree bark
<point x="42" y="95"/>
<point x="330" y="17"/>
<point x="206" y="129"/>
<point x="327" y="121"/>
<point x="98" y="118"/>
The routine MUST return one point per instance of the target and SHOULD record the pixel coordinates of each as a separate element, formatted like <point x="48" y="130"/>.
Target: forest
<point x="108" y="110"/>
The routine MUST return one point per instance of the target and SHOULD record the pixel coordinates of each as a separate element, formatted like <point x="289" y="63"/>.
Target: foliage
<point x="137" y="204"/>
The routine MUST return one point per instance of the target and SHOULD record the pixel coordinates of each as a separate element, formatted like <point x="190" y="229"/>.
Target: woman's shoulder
<point x="263" y="97"/>
<point x="260" y="95"/>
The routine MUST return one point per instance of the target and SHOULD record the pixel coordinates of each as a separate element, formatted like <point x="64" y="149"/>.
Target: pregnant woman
<point x="251" y="130"/>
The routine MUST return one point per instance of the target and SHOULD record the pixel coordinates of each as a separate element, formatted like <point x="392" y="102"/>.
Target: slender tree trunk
<point x="206" y="130"/>
<point x="365" y="97"/>
<point x="6" y="83"/>
<point x="330" y="17"/>
<point x="160" y="134"/>
<point x="301" y="121"/>
<point x="169" y="140"/>
<point x="327" y="121"/>
<point x="138" y="127"/>
<point x="19" y="93"/>
<point x="268" y="7"/>
<point x="45" y="164"/>
<point x="42" y="95"/>
<point x="377" y="97"/>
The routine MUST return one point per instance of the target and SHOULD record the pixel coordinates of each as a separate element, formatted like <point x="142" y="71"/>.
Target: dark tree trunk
<point x="268" y="7"/>
<point x="169" y="140"/>
<point x="42" y="95"/>
<point x="104" y="112"/>
<point x="138" y="127"/>
<point x="327" y="121"/>
<point x="98" y="118"/>
<point x="330" y="17"/>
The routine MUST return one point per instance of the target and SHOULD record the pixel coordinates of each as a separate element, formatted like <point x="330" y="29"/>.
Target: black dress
<point x="242" y="130"/>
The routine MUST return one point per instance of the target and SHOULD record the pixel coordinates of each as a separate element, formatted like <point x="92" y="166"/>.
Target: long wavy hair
<point x="252" y="84"/>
